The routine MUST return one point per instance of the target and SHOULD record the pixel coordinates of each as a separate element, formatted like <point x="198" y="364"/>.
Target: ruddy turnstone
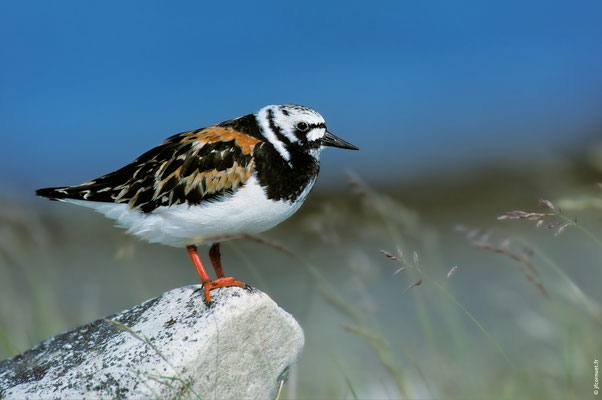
<point x="245" y="175"/>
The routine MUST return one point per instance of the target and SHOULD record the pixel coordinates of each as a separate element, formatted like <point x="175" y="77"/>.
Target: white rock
<point x="240" y="347"/>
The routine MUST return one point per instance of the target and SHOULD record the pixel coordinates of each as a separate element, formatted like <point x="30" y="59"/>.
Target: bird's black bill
<point x="331" y="140"/>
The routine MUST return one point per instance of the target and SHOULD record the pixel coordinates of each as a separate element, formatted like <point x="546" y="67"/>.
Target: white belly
<point x="248" y="210"/>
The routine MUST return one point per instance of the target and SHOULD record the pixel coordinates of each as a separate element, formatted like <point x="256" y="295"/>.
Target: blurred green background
<point x="462" y="113"/>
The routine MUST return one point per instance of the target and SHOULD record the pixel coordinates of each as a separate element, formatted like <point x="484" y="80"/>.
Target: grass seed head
<point x="388" y="255"/>
<point x="547" y="204"/>
<point x="413" y="285"/>
<point x="452" y="271"/>
<point x="400" y="270"/>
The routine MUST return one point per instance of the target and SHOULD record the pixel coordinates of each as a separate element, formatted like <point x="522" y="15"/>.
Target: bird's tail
<point x="59" y="193"/>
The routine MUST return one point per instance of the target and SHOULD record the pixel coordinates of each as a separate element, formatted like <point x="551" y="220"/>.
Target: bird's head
<point x="289" y="127"/>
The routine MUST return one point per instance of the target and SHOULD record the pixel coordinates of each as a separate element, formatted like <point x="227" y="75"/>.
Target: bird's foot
<point x="220" y="283"/>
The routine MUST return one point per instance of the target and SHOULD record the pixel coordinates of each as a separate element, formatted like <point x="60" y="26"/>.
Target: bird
<point x="241" y="176"/>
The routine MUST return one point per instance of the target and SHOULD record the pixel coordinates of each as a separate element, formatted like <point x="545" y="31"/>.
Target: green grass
<point x="520" y="318"/>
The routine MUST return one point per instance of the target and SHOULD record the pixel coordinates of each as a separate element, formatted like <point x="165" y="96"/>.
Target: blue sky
<point x="88" y="86"/>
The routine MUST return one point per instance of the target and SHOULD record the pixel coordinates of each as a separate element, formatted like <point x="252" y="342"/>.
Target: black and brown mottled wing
<point x="191" y="167"/>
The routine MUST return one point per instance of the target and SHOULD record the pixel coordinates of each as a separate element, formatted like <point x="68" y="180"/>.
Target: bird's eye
<point x="302" y="126"/>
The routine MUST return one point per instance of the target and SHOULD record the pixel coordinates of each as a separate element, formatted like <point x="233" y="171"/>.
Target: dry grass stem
<point x="253" y="238"/>
<point x="279" y="389"/>
<point x="129" y="330"/>
<point x="382" y="349"/>
<point x="521" y="258"/>
<point x="186" y="385"/>
<point x="524" y="258"/>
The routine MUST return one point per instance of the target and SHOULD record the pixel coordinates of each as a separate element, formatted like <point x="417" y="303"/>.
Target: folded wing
<point x="191" y="167"/>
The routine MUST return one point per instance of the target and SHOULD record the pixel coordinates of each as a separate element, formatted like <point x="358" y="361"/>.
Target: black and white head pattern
<point x="289" y="126"/>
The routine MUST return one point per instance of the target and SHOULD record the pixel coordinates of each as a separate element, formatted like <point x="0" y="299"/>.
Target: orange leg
<point x="215" y="257"/>
<point x="208" y="284"/>
<point x="196" y="260"/>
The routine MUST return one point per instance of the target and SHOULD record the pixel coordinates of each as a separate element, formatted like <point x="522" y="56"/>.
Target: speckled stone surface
<point x="240" y="347"/>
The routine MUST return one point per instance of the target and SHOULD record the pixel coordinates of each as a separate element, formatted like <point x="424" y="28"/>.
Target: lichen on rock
<point x="170" y="346"/>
